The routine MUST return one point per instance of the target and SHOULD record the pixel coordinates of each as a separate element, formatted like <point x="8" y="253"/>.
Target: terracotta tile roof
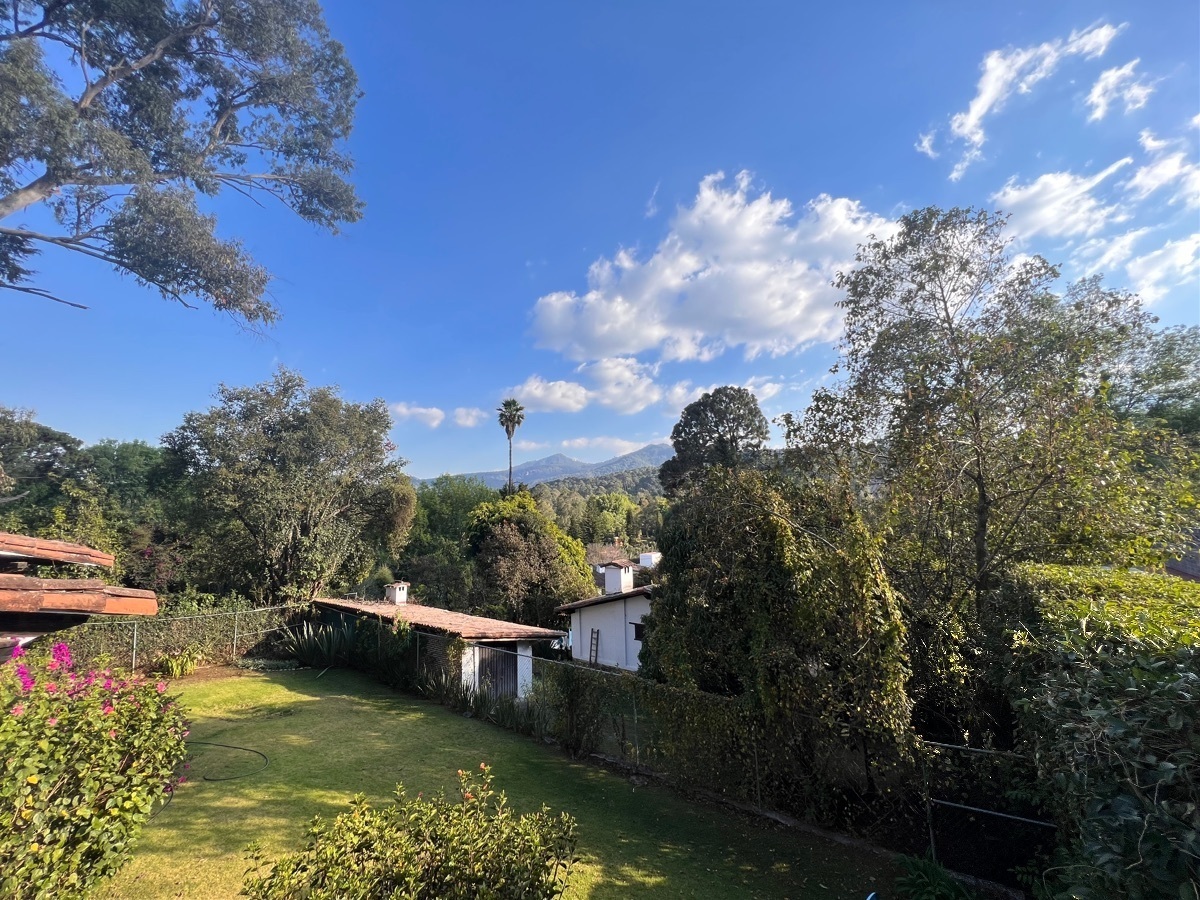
<point x="19" y="594"/>
<point x="22" y="547"/>
<point x="469" y="628"/>
<point x="645" y="591"/>
<point x="621" y="563"/>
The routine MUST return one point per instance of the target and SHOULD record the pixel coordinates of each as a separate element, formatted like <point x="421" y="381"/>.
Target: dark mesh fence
<point x="218" y="637"/>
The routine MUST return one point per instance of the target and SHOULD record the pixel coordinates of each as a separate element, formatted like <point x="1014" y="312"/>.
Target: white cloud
<point x="523" y="444"/>
<point x="538" y="395"/>
<point x="1150" y="143"/>
<point x="924" y="144"/>
<point x="619" y="446"/>
<point x="652" y="203"/>
<point x="622" y="383"/>
<point x="1118" y="84"/>
<point x="1107" y="254"/>
<point x="1018" y="70"/>
<point x="764" y="387"/>
<point x="469" y="416"/>
<point x="1059" y="204"/>
<point x="736" y="269"/>
<point x="1166" y="169"/>
<point x="1173" y="264"/>
<point x="426" y="415"/>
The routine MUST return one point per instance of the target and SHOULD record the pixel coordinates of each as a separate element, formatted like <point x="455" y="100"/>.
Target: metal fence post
<point x="637" y="756"/>
<point x="133" y="656"/>
<point x="235" y="632"/>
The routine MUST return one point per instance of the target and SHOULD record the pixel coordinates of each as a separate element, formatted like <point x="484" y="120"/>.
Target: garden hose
<point x="266" y="762"/>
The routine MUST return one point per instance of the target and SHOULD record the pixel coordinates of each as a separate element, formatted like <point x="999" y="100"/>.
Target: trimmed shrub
<point x="1106" y="678"/>
<point x="427" y="849"/>
<point x="87" y="755"/>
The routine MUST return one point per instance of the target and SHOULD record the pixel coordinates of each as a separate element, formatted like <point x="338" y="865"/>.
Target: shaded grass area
<point x="335" y="734"/>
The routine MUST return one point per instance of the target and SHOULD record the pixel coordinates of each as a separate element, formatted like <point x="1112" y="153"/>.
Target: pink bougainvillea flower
<point x="112" y="735"/>
<point x="18" y="709"/>
<point x="18" y="652"/>
<point x="52" y="721"/>
<point x="108" y="709"/>
<point x="52" y="688"/>
<point x="161" y="687"/>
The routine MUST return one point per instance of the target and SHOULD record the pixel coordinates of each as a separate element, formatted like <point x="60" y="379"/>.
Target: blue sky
<point x="606" y="210"/>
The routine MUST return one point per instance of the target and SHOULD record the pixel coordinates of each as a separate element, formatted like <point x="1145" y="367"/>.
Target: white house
<point x="607" y="630"/>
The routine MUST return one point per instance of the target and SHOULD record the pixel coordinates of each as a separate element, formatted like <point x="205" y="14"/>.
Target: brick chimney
<point x="396" y="592"/>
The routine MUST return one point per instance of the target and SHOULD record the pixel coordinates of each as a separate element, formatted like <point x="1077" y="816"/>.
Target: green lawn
<point x="332" y="735"/>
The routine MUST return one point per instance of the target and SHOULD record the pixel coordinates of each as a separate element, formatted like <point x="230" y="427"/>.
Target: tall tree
<point x="722" y="428"/>
<point x="512" y="415"/>
<point x="525" y="565"/>
<point x="974" y="416"/>
<point x="295" y="487"/>
<point x="115" y="117"/>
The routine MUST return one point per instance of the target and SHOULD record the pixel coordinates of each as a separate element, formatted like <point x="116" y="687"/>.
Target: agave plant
<point x="317" y="644"/>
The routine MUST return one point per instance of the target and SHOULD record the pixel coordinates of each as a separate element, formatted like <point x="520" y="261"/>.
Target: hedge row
<point x="1106" y="676"/>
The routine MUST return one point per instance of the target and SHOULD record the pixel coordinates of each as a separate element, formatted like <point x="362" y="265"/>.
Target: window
<point x="639" y="630"/>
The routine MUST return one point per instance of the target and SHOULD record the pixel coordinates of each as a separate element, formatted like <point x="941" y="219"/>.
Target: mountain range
<point x="561" y="466"/>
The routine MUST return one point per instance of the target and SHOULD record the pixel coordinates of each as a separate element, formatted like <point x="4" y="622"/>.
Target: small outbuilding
<point x="498" y="654"/>
<point x="608" y="630"/>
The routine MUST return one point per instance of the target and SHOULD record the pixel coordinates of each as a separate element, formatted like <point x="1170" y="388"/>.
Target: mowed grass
<point x="331" y="735"/>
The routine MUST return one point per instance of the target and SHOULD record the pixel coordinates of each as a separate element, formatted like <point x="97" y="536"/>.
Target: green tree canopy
<point x="776" y="590"/>
<point x="722" y="428"/>
<point x="296" y="487"/>
<point x="117" y="118"/>
<point x="525" y="565"/>
<point x="974" y="419"/>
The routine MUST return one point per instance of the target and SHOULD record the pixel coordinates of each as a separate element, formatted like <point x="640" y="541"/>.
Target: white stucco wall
<point x="615" y="620"/>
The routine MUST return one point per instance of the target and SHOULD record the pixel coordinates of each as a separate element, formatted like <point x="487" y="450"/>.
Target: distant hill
<point x="561" y="466"/>
<point x="632" y="482"/>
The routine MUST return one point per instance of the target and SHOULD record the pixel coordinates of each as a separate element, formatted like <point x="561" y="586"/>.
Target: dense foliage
<point x="428" y="849"/>
<point x="974" y="422"/>
<point x="1106" y="672"/>
<point x="296" y="485"/>
<point x="87" y="754"/>
<point x="724" y="427"/>
<point x="525" y="565"/>
<point x="164" y="102"/>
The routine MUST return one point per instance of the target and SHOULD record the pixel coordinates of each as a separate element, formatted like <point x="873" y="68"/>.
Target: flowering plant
<point x="85" y="757"/>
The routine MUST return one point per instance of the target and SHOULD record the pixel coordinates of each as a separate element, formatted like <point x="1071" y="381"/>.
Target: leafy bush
<point x="427" y="849"/>
<point x="177" y="663"/>
<point x="924" y="879"/>
<point x="316" y="644"/>
<point x="1106" y="676"/>
<point x="87" y="755"/>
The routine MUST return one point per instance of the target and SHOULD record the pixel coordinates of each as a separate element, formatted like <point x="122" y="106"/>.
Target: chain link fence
<point x="217" y="636"/>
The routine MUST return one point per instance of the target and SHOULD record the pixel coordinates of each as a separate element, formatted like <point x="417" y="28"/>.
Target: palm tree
<point x="512" y="414"/>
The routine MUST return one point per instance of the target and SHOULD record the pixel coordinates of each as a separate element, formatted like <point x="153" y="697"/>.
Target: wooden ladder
<point x="594" y="650"/>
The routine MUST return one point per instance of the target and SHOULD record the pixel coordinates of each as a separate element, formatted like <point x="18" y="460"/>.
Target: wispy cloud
<point x="468" y="416"/>
<point x="652" y="203"/>
<point x="1168" y="167"/>
<point x="426" y="415"/>
<point x="1114" y="85"/>
<point x="924" y="144"/>
<point x="1171" y="265"/>
<point x="1017" y="70"/>
<point x="1059" y="204"/>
